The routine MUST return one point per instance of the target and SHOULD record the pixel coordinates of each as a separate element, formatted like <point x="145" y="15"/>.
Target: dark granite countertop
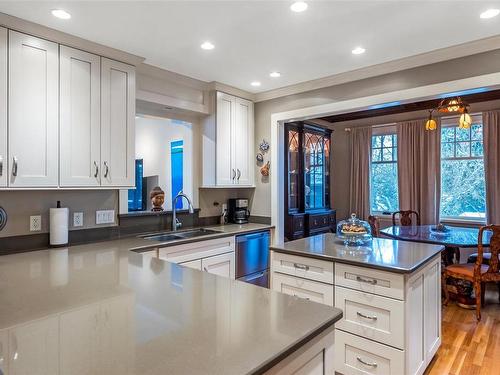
<point x="380" y="253"/>
<point x="165" y="318"/>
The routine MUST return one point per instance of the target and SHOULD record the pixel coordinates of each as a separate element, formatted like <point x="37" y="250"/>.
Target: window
<point x="384" y="174"/>
<point x="176" y="160"/>
<point x="135" y="202"/>
<point x="463" y="192"/>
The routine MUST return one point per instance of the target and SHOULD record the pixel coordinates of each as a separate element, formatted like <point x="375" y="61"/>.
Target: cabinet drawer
<point x="356" y="355"/>
<point x="194" y="264"/>
<point x="298" y="223"/>
<point x="307" y="289"/>
<point x="371" y="316"/>
<point x="197" y="250"/>
<point x="370" y="280"/>
<point x="319" y="221"/>
<point x="307" y="268"/>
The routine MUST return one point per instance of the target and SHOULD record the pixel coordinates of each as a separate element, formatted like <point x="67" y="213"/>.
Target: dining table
<point x="452" y="238"/>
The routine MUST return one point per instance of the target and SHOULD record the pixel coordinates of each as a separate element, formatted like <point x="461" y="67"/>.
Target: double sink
<point x="181" y="235"/>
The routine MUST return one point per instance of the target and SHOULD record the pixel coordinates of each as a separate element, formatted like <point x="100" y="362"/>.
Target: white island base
<point x="392" y="320"/>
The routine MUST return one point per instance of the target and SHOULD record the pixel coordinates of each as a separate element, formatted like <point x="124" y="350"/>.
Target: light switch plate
<point x="105" y="217"/>
<point x="78" y="219"/>
<point x="35" y="223"/>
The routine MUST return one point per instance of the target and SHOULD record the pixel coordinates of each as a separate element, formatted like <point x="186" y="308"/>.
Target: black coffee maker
<point x="238" y="212"/>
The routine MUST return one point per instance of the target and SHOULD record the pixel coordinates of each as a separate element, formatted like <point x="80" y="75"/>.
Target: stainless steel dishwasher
<point x="252" y="258"/>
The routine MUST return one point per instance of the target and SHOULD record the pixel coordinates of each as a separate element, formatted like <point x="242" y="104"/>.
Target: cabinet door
<point x="33" y="111"/>
<point x="3" y="107"/>
<point x="80" y="138"/>
<point x="222" y="265"/>
<point x="34" y="348"/>
<point x="117" y="124"/>
<point x="243" y="141"/>
<point x="195" y="264"/>
<point x="225" y="173"/>
<point x="79" y="341"/>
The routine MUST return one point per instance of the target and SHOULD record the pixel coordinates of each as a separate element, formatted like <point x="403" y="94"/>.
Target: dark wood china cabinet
<point x="307" y="181"/>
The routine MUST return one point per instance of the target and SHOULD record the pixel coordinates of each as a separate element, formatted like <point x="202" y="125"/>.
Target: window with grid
<point x="384" y="174"/>
<point x="463" y="191"/>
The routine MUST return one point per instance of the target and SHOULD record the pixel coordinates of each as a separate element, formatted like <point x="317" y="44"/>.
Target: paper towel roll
<point x="59" y="226"/>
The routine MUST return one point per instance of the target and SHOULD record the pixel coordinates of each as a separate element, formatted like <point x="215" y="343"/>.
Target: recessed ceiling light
<point x="490" y="13"/>
<point x="299" y="6"/>
<point x="61" y="13"/>
<point x="358" y="51"/>
<point x="275" y="74"/>
<point x="255" y="83"/>
<point x="207" y="45"/>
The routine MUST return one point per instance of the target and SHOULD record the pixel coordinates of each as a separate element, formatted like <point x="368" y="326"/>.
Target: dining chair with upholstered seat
<point x="478" y="273"/>
<point x="405" y="217"/>
<point x="375" y="225"/>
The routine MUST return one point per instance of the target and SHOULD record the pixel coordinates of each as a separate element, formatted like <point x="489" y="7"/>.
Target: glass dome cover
<point x="354" y="231"/>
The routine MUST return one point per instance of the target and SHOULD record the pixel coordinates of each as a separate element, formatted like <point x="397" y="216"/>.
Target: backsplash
<point x="20" y="205"/>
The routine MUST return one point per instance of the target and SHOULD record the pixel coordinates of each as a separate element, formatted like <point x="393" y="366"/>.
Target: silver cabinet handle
<point x="234" y="174"/>
<point x="301" y="266"/>
<point x="366" y="316"/>
<point x="106" y="169"/>
<point x="306" y="298"/>
<point x="373" y="364"/>
<point x="205" y="269"/>
<point x="368" y="281"/>
<point x="14" y="166"/>
<point x="96" y="169"/>
<point x="239" y="174"/>
<point x="1" y="165"/>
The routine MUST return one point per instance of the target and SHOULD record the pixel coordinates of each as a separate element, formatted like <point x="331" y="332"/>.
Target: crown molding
<point x="427" y="58"/>
<point x="217" y="86"/>
<point x="44" y="32"/>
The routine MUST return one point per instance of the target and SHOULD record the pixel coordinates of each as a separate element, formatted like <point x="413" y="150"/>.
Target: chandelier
<point x="451" y="105"/>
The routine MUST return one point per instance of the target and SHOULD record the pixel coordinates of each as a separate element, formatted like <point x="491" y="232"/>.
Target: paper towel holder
<point x="3" y="218"/>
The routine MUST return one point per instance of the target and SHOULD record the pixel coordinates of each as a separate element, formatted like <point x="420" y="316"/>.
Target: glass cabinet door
<point x="314" y="170"/>
<point x="293" y="169"/>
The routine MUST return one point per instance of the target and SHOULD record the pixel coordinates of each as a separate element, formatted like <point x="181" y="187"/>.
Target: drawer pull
<point x="373" y="364"/>
<point x="306" y="298"/>
<point x="301" y="266"/>
<point x="366" y="316"/>
<point x="368" y="281"/>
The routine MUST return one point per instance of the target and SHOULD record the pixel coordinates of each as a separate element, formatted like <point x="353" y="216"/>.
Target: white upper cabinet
<point x="117" y="123"/>
<point x="33" y="111"/>
<point x="234" y="141"/>
<point x="243" y="130"/>
<point x="80" y="137"/>
<point x="3" y="107"/>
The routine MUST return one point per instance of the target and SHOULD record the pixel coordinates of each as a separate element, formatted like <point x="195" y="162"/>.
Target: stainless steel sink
<point x="175" y="236"/>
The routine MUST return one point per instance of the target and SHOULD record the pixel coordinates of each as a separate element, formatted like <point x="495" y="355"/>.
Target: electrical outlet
<point x="35" y="223"/>
<point x="78" y="219"/>
<point x="105" y="217"/>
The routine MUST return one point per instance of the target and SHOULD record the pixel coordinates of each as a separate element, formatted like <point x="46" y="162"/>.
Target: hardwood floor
<point x="469" y="347"/>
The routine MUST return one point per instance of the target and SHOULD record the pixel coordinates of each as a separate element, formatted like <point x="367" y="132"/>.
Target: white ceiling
<point x="253" y="38"/>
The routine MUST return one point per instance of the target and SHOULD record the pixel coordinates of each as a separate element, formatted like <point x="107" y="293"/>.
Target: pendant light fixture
<point x="451" y="105"/>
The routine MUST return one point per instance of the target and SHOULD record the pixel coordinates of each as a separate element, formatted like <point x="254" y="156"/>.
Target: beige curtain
<point x="491" y="141"/>
<point x="359" y="200"/>
<point x="419" y="169"/>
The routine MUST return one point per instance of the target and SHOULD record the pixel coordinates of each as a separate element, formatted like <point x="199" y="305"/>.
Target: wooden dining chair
<point x="405" y="217"/>
<point x="478" y="273"/>
<point x="375" y="225"/>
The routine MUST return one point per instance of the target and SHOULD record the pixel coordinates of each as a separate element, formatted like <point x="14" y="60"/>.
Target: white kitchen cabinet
<point x="194" y="264"/>
<point x="3" y="108"/>
<point x="222" y="265"/>
<point x="228" y="143"/>
<point x="80" y="129"/>
<point x="117" y="124"/>
<point x="303" y="288"/>
<point x="33" y="111"/>
<point x="33" y="348"/>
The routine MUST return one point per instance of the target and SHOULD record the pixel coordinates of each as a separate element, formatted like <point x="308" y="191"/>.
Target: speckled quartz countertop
<point x="151" y="316"/>
<point x="380" y="253"/>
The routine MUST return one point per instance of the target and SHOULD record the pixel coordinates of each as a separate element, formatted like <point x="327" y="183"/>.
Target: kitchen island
<point x="103" y="309"/>
<point x="389" y="291"/>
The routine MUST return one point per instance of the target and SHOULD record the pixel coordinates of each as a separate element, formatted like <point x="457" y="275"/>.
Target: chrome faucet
<point x="176" y="224"/>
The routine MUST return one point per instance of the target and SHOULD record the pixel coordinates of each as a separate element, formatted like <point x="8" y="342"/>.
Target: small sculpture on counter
<point x="264" y="171"/>
<point x="157" y="196"/>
